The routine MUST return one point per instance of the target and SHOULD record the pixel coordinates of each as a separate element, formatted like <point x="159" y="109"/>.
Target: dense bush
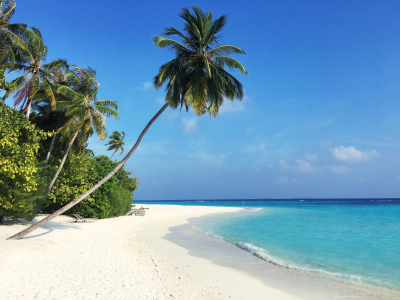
<point x="80" y="173"/>
<point x="120" y="201"/>
<point x="19" y="144"/>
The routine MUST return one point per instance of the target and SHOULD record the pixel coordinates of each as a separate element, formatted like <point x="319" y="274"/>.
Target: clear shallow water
<point x="356" y="240"/>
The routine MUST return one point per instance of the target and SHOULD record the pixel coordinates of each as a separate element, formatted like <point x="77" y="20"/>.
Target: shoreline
<point x="138" y="257"/>
<point x="210" y="253"/>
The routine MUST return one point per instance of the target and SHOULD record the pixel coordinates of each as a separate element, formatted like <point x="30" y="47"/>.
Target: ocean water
<point x="351" y="240"/>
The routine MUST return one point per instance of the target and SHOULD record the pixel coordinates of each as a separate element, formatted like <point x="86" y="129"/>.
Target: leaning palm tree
<point x="36" y="73"/>
<point x="85" y="112"/>
<point x="116" y="142"/>
<point x="195" y="77"/>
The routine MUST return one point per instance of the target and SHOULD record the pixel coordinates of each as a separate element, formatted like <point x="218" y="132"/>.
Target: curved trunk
<point x="51" y="148"/>
<point x="60" y="166"/>
<point x="91" y="190"/>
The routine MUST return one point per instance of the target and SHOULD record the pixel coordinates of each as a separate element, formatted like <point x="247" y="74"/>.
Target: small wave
<point x="266" y="256"/>
<point x="256" y="209"/>
<point x="260" y="253"/>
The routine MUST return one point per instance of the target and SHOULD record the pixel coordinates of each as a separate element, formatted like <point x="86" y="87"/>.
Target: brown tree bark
<point x="95" y="187"/>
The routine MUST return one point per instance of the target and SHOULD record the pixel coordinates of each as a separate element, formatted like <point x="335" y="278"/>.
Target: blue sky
<point x="321" y="113"/>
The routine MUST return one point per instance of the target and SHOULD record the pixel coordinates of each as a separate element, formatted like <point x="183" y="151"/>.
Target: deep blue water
<point x="351" y="239"/>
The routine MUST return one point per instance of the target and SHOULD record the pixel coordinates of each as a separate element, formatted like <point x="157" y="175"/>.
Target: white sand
<point x="108" y="259"/>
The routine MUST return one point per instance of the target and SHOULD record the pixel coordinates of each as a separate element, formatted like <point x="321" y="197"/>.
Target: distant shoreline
<point x="267" y="199"/>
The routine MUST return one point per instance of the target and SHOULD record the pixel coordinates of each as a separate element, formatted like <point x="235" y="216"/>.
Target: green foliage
<point x="80" y="173"/>
<point x="116" y="142"/>
<point x="80" y="103"/>
<point x="19" y="144"/>
<point x="120" y="201"/>
<point x="4" y="85"/>
<point x="197" y="77"/>
<point x="36" y="73"/>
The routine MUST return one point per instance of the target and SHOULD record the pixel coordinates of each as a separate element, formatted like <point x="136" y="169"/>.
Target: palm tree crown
<point x="36" y="73"/>
<point x="116" y="142"/>
<point x="81" y="105"/>
<point x="196" y="77"/>
<point x="10" y="40"/>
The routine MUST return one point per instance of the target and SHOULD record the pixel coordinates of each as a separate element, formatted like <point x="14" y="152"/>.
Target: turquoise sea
<point x="356" y="240"/>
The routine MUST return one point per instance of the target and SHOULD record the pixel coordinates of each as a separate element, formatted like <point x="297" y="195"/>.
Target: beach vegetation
<point x="196" y="77"/>
<point x="85" y="113"/>
<point x="58" y="111"/>
<point x="10" y="41"/>
<point x="19" y="145"/>
<point x="36" y="73"/>
<point x="81" y="172"/>
<point x="116" y="142"/>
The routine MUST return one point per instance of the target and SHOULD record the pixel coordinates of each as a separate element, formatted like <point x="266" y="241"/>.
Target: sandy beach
<point x="107" y="260"/>
<point x="130" y="258"/>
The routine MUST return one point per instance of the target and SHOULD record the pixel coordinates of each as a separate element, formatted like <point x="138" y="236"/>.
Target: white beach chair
<point x="78" y="218"/>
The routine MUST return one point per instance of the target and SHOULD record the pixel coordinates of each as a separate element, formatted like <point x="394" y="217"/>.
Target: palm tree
<point x="36" y="74"/>
<point x="10" y="40"/>
<point x="203" y="88"/>
<point x="85" y="112"/>
<point x="116" y="142"/>
<point x="44" y="113"/>
<point x="196" y="77"/>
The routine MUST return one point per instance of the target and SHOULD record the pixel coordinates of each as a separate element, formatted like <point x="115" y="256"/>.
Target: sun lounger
<point x="78" y="218"/>
<point x="136" y="212"/>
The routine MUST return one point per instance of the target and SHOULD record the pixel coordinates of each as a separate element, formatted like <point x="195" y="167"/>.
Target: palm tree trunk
<point x="95" y="187"/>
<point x="51" y="148"/>
<point x="60" y="166"/>
<point x="28" y="109"/>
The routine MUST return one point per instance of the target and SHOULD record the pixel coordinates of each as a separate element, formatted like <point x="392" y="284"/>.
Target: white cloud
<point x="285" y="165"/>
<point x="286" y="180"/>
<point x="311" y="156"/>
<point x="352" y="154"/>
<point x="300" y="166"/>
<point x="160" y="100"/>
<point x="159" y="147"/>
<point x="146" y="85"/>
<point x="281" y="180"/>
<point x="304" y="166"/>
<point x="233" y="106"/>
<point x="325" y="144"/>
<point x="337" y="169"/>
<point x="212" y="159"/>
<point x="189" y="124"/>
<point x="257" y="149"/>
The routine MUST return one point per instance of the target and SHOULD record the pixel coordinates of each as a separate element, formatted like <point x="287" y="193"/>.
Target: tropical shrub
<point x="19" y="144"/>
<point x="80" y="173"/>
<point x="120" y="201"/>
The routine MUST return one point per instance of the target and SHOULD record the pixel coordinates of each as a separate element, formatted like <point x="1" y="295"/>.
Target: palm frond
<point x="226" y="49"/>
<point x="231" y="63"/>
<point x="107" y="103"/>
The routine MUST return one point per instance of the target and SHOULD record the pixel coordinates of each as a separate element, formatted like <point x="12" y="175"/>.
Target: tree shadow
<point x="50" y="226"/>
